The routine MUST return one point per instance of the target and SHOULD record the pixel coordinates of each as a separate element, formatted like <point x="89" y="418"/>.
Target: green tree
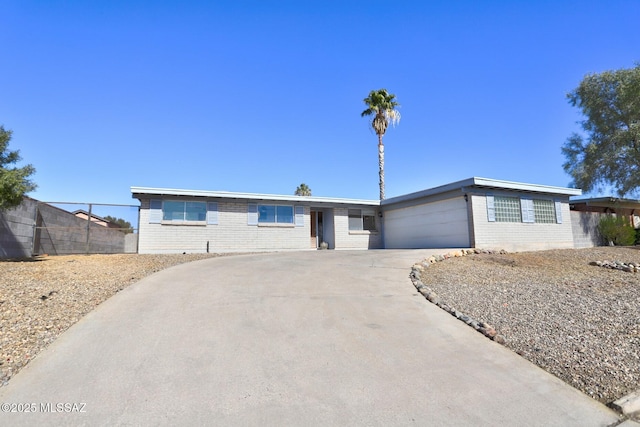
<point x="303" y="190"/>
<point x="609" y="155"/>
<point x="125" y="225"/>
<point x="381" y="105"/>
<point x="616" y="230"/>
<point x="14" y="181"/>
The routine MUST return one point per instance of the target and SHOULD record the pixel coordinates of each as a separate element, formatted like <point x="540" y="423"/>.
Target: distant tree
<point x="303" y="190"/>
<point x="125" y="225"/>
<point x="14" y="181"/>
<point x="610" y="154"/>
<point x="381" y="105"/>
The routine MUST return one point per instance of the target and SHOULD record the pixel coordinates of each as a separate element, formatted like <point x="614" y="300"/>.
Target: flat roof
<point x="478" y="182"/>
<point x="606" y="202"/>
<point x="475" y="182"/>
<point x="148" y="191"/>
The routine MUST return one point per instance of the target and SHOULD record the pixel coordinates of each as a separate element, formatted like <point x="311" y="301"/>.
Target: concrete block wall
<point x="519" y="236"/>
<point x="16" y="230"/>
<point x="60" y="233"/>
<point x="131" y="243"/>
<point x="585" y="229"/>
<point x="346" y="239"/>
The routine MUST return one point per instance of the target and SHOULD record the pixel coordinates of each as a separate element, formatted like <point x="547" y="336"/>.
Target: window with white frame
<point x="523" y="209"/>
<point x="362" y="220"/>
<point x="275" y="214"/>
<point x="508" y="209"/>
<point x="173" y="210"/>
<point x="544" y="211"/>
<point x="178" y="212"/>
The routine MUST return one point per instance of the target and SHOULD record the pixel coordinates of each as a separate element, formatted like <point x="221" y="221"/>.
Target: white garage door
<point x="442" y="224"/>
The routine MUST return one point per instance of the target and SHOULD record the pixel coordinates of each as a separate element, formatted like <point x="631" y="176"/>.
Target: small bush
<point x="616" y="229"/>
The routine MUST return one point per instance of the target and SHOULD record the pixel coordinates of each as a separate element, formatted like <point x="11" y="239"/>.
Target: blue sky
<point x="260" y="96"/>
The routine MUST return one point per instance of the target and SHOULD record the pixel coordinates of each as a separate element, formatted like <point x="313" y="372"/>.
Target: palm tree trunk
<point x="381" y="165"/>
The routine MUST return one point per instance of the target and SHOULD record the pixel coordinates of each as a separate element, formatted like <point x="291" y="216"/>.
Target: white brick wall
<point x="519" y="236"/>
<point x="346" y="239"/>
<point x="233" y="234"/>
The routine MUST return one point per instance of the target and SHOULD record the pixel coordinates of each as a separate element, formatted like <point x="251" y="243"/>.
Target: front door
<point x="316" y="229"/>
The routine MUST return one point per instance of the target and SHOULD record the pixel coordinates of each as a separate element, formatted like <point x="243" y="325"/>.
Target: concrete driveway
<point x="309" y="338"/>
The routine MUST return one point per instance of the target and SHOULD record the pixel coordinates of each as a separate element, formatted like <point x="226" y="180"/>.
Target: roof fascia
<point x="429" y="192"/>
<point x="483" y="183"/>
<point x="147" y="191"/>
<point x="605" y="202"/>
<point x="521" y="186"/>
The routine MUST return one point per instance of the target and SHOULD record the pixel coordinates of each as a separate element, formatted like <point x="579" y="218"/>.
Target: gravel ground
<point x="578" y="321"/>
<point x="40" y="299"/>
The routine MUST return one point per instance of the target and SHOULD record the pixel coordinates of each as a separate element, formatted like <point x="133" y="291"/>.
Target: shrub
<point x="617" y="230"/>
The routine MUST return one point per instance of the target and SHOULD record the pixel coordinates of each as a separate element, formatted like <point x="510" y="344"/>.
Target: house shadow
<point x="11" y="247"/>
<point x="589" y="225"/>
<point x="43" y="238"/>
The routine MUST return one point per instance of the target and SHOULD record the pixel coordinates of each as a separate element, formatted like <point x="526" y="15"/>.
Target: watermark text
<point x="43" y="407"/>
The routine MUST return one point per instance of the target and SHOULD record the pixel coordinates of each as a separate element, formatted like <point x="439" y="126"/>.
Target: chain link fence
<point x="62" y="228"/>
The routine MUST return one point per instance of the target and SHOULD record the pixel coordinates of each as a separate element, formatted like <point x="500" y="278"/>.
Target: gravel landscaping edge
<point x="482" y="327"/>
<point x="628" y="406"/>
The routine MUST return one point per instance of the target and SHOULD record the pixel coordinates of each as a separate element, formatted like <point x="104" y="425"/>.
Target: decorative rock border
<point x="628" y="406"/>
<point x="482" y="327"/>
<point x="629" y="267"/>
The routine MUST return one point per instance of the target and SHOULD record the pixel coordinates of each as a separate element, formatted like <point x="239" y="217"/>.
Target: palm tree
<point x="381" y="105"/>
<point x="303" y="190"/>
